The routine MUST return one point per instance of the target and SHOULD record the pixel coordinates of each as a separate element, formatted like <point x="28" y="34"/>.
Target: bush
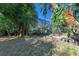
<point x="40" y="33"/>
<point x="2" y="33"/>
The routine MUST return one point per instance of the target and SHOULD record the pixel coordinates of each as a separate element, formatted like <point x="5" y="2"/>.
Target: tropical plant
<point x="57" y="18"/>
<point x="60" y="18"/>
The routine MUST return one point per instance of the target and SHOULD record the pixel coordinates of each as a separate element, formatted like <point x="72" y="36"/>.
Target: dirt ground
<point x="24" y="47"/>
<point x="30" y="46"/>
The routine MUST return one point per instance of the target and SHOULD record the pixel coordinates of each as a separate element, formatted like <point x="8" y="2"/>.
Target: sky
<point x="40" y="15"/>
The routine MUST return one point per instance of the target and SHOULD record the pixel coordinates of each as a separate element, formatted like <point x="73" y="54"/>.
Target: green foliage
<point x="58" y="17"/>
<point x="7" y="24"/>
<point x="21" y="16"/>
<point x="44" y="8"/>
<point x="68" y="51"/>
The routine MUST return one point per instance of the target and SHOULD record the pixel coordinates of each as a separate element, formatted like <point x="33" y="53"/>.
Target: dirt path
<point x="32" y="46"/>
<point x="25" y="47"/>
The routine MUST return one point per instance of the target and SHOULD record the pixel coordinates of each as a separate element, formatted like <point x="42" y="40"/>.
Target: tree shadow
<point x="25" y="47"/>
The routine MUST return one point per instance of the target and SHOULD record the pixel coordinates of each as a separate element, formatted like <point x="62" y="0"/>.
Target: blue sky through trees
<point x="40" y="15"/>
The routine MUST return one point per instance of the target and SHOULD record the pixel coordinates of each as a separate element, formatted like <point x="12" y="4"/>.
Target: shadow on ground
<point x="23" y="47"/>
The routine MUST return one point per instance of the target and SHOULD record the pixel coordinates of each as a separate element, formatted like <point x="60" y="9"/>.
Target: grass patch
<point x="64" y="49"/>
<point x="67" y="51"/>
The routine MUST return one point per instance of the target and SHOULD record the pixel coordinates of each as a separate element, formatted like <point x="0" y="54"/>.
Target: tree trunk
<point x="22" y="31"/>
<point x="8" y="33"/>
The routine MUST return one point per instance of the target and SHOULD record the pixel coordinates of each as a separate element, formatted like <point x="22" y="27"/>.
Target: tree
<point x="23" y="15"/>
<point x="7" y="25"/>
<point x="57" y="18"/>
<point x="62" y="15"/>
